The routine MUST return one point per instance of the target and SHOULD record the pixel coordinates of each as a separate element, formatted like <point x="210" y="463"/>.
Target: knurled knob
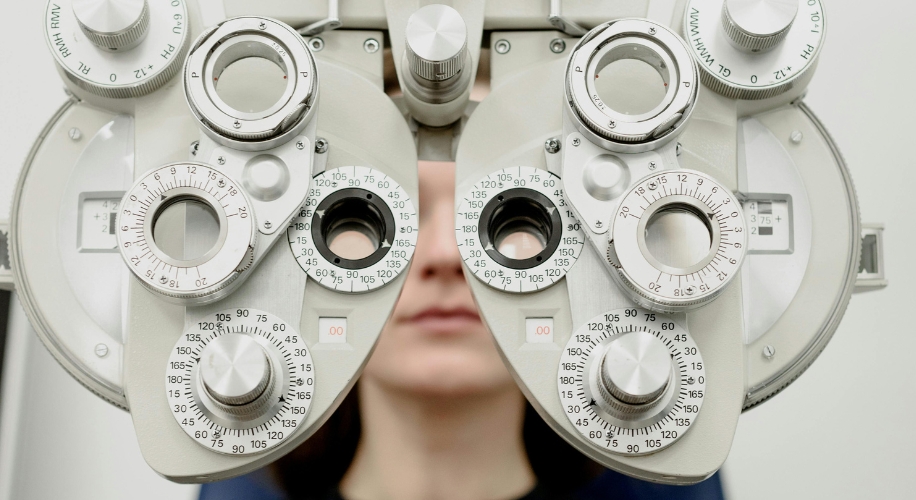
<point x="437" y="42"/>
<point x="234" y="369"/>
<point x="758" y="25"/>
<point x="112" y="24"/>
<point x="636" y="370"/>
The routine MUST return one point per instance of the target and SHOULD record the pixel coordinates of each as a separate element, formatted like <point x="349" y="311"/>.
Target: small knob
<point x="437" y="42"/>
<point x="113" y="24"/>
<point x="635" y="370"/>
<point x="758" y="25"/>
<point x="235" y="369"/>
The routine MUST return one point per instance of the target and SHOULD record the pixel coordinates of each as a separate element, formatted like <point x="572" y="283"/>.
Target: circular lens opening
<point x="251" y="85"/>
<point x="679" y="236"/>
<point x="520" y="228"/>
<point x="185" y="229"/>
<point x="631" y="79"/>
<point x="353" y="228"/>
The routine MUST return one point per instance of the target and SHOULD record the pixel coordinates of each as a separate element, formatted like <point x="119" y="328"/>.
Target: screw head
<point x="222" y="161"/>
<point x="502" y="46"/>
<point x="612" y="124"/>
<point x="262" y="26"/>
<point x="576" y="142"/>
<point x="268" y="224"/>
<point x="796" y="136"/>
<point x="652" y="31"/>
<point x="75" y="134"/>
<point x="237" y="124"/>
<point x="194" y="147"/>
<point x="652" y="186"/>
<point x="221" y="183"/>
<point x="321" y="145"/>
<point x="691" y="380"/>
<point x="598" y="223"/>
<point x="300" y="145"/>
<point x="552" y="146"/>
<point x="769" y="351"/>
<point x="557" y="45"/>
<point x="163" y="280"/>
<point x="371" y="45"/>
<point x="690" y="290"/>
<point x="316" y="43"/>
<point x="652" y="165"/>
<point x="101" y="350"/>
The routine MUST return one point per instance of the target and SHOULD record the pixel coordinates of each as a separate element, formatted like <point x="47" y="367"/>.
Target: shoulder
<point x="614" y="485"/>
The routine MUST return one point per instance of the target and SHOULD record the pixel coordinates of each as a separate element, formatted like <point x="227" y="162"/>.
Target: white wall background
<point x="843" y="430"/>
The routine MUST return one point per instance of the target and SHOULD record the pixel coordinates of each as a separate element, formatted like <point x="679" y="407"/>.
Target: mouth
<point x="446" y="321"/>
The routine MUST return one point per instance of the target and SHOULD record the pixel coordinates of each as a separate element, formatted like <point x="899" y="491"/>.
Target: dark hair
<point x="318" y="465"/>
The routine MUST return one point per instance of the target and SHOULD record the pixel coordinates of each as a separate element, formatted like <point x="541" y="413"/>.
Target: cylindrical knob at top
<point x="636" y="369"/>
<point x="758" y="25"/>
<point x="437" y="41"/>
<point x="113" y="24"/>
<point x="234" y="369"/>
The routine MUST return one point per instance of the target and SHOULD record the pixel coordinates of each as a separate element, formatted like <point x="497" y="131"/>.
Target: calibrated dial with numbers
<point x="739" y="73"/>
<point x="374" y="219"/>
<point x="119" y="72"/>
<point x="655" y="270"/>
<point x="631" y="381"/>
<point x="512" y="201"/>
<point x="240" y="382"/>
<point x="178" y="279"/>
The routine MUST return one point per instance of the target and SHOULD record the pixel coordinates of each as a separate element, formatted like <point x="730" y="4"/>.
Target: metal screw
<point x="651" y="165"/>
<point x="502" y="46"/>
<point x="300" y="145"/>
<point x="194" y="147"/>
<point x="221" y="183"/>
<point x="321" y="145"/>
<point x="163" y="280"/>
<point x="652" y="186"/>
<point x="690" y="380"/>
<point x="690" y="290"/>
<point x="222" y="161"/>
<point x="75" y="134"/>
<point x="677" y="150"/>
<point x="652" y="31"/>
<point x="237" y="124"/>
<point x="769" y="351"/>
<point x="576" y="142"/>
<point x="796" y="136"/>
<point x="612" y="124"/>
<point x="557" y="46"/>
<point x="299" y="381"/>
<point x="316" y="44"/>
<point x="371" y="45"/>
<point x="552" y="146"/>
<point x="268" y="224"/>
<point x="263" y="26"/>
<point x="598" y="223"/>
<point x="101" y="350"/>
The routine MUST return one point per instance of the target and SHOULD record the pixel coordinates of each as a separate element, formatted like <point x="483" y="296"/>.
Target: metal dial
<point x="112" y="24"/>
<point x="354" y="201"/>
<point x="437" y="42"/>
<point x="190" y="281"/>
<point x="240" y="382"/>
<point x="694" y="257"/>
<point x="654" y="369"/>
<point x="640" y="39"/>
<point x="246" y="37"/>
<point x="738" y="60"/>
<point x="524" y="201"/>
<point x="129" y="71"/>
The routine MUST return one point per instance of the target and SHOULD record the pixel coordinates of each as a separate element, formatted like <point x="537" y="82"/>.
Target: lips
<point x="446" y="321"/>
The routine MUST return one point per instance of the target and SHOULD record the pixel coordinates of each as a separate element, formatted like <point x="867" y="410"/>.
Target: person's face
<point x="435" y="343"/>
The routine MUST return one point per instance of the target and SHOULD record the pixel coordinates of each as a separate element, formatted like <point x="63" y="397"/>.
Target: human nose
<point x="437" y="255"/>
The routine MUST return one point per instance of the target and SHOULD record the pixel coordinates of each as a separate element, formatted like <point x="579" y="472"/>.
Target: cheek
<point x="409" y="362"/>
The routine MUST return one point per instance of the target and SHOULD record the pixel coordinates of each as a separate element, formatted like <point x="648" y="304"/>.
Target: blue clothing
<point x="609" y="485"/>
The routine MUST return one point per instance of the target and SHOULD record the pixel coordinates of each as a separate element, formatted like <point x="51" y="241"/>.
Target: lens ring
<point x="539" y="207"/>
<point x="374" y="209"/>
<point x="240" y="38"/>
<point x="654" y="44"/>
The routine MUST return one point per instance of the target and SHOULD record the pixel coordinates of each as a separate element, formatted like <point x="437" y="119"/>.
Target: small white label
<point x="539" y="330"/>
<point x="332" y="330"/>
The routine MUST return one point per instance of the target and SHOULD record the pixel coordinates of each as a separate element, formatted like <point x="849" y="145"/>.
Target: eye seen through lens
<point x="679" y="236"/>
<point x="631" y="79"/>
<point x="353" y="228"/>
<point x="520" y="228"/>
<point x="185" y="229"/>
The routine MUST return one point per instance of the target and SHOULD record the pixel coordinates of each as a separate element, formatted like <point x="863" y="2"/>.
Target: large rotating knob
<point x="112" y="24"/>
<point x="758" y="25"/>
<point x="636" y="370"/>
<point x="437" y="43"/>
<point x="235" y="370"/>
